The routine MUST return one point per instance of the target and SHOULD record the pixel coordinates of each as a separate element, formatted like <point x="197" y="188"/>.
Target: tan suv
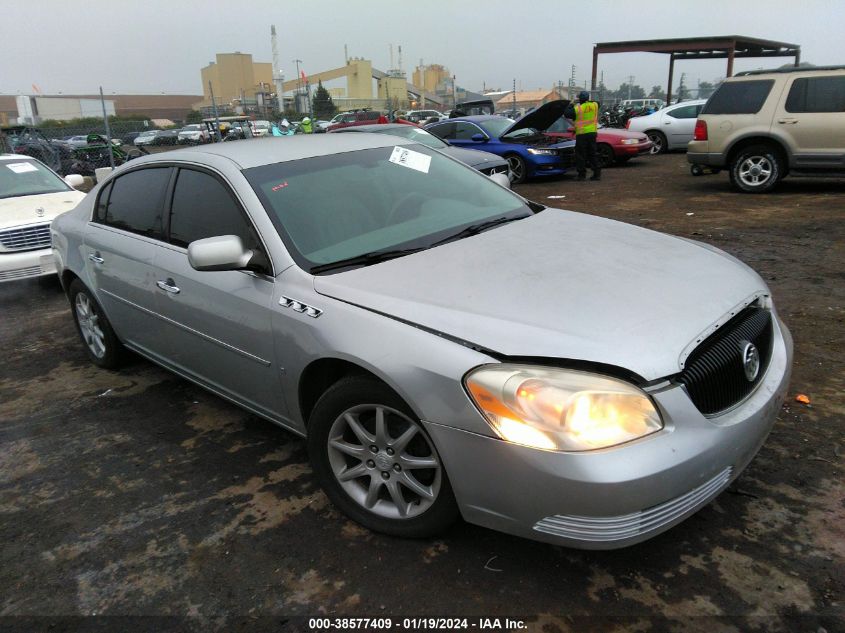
<point x="763" y="125"/>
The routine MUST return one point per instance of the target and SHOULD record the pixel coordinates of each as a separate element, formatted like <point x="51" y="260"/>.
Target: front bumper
<point x="629" y="151"/>
<point x="545" y="165"/>
<point x="26" y="264"/>
<point x="619" y="496"/>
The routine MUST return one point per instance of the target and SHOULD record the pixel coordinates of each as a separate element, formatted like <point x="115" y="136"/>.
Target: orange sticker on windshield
<point x="280" y="186"/>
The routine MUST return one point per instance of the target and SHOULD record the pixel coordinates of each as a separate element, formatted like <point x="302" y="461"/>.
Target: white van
<point x="641" y="103"/>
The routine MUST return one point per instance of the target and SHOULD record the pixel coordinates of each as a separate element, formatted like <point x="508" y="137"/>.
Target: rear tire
<point x="99" y="340"/>
<point x="756" y="169"/>
<point x="385" y="475"/>
<point x="658" y="142"/>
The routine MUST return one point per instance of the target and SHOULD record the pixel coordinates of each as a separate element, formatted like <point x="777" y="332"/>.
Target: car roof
<point x="267" y="151"/>
<point x="475" y="118"/>
<point x="372" y="126"/>
<point x="16" y="157"/>
<point x="686" y="103"/>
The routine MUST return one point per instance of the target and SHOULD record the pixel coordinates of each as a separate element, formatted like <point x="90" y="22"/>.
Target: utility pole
<point x="514" y="96"/>
<point x="298" y="83"/>
<point x="630" y="85"/>
<point x="216" y="115"/>
<point x="108" y="130"/>
<point x="571" y="86"/>
<point x="601" y="87"/>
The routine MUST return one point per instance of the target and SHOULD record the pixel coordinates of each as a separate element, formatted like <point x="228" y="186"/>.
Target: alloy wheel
<point x="89" y="325"/>
<point x="656" y="143"/>
<point x="384" y="461"/>
<point x="516" y="167"/>
<point x="755" y="171"/>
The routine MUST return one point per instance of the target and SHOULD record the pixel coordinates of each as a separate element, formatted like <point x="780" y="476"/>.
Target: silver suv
<point x="764" y="125"/>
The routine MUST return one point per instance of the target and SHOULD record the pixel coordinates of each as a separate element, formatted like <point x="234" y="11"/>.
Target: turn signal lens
<point x="559" y="409"/>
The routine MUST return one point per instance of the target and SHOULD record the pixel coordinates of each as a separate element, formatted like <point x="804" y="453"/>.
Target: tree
<point x="636" y="91"/>
<point x="322" y="105"/>
<point x="657" y="92"/>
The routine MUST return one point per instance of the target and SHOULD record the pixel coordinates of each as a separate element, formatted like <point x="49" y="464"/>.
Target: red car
<point x="614" y="146"/>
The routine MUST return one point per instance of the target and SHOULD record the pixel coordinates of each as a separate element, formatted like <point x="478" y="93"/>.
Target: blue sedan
<point x="528" y="151"/>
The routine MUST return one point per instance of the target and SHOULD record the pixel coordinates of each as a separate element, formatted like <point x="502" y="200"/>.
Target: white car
<point x="261" y="128"/>
<point x="669" y="128"/>
<point x="421" y="116"/>
<point x="31" y="197"/>
<point x="192" y="134"/>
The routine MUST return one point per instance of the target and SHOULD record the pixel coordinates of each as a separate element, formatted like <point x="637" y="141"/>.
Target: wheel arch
<point x="747" y="141"/>
<point x="319" y="375"/>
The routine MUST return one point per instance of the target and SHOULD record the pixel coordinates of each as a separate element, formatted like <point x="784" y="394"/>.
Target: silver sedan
<point x="446" y="347"/>
<point x="669" y="128"/>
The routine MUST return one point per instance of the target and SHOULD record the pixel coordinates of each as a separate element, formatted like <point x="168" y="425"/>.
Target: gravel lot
<point x="137" y="493"/>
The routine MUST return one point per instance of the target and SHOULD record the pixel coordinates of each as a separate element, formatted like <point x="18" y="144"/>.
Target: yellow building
<point x="431" y="76"/>
<point x="234" y="76"/>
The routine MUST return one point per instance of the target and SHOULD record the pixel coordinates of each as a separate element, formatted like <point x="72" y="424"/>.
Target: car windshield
<point x="498" y="126"/>
<point x="191" y="128"/>
<point x="413" y="133"/>
<point x="332" y="208"/>
<point x="28" y="178"/>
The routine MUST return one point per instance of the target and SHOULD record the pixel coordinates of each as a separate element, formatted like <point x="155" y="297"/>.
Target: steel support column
<point x="671" y="72"/>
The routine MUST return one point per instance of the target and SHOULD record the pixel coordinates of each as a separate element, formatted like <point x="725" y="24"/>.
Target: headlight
<point x="545" y="152"/>
<point x="630" y="141"/>
<point x="560" y="409"/>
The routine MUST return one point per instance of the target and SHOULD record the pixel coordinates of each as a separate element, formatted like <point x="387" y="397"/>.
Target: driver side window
<point x="204" y="207"/>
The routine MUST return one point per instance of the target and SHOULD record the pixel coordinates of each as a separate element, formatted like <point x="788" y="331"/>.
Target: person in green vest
<point x="586" y="117"/>
<point x="306" y="126"/>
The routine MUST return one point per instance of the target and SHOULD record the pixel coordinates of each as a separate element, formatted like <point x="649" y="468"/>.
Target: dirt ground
<point x="139" y="494"/>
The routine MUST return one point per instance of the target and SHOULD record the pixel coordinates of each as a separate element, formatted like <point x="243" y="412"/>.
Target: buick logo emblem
<point x="40" y="212"/>
<point x="750" y="360"/>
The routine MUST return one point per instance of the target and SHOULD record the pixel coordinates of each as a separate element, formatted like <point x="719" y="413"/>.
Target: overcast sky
<point x="155" y="46"/>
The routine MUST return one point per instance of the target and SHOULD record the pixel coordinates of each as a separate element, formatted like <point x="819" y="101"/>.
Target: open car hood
<point x="542" y="118"/>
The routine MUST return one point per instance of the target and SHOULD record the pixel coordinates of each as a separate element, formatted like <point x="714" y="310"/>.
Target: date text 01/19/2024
<point x="416" y="624"/>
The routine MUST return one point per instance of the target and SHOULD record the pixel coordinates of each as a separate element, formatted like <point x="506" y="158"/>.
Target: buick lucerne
<point x="448" y="348"/>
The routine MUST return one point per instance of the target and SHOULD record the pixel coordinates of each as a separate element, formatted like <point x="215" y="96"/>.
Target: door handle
<point x="168" y="285"/>
<point x="788" y="121"/>
<point x="667" y="123"/>
<point x="95" y="257"/>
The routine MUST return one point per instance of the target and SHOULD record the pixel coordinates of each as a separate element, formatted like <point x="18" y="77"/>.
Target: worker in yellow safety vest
<point x="586" y="117"/>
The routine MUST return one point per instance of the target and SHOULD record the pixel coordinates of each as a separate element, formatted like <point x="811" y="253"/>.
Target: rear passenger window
<point x="817" y="94"/>
<point x="739" y="97"/>
<point x="136" y="202"/>
<point x="687" y="112"/>
<point x="204" y="207"/>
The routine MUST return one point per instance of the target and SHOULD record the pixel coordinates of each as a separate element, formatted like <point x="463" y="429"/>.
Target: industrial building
<point x="34" y="109"/>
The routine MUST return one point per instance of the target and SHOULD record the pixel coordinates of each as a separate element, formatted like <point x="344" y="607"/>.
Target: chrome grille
<point x="714" y="376"/>
<point x="25" y="238"/>
<point x="618" y="528"/>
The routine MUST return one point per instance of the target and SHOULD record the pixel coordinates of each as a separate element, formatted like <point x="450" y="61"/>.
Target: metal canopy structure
<point x="727" y="47"/>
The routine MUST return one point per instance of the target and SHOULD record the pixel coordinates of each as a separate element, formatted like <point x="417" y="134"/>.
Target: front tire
<point x="756" y="169"/>
<point x="606" y="156"/>
<point x="375" y="461"/>
<point x="519" y="170"/>
<point x="658" y="142"/>
<point x="99" y="340"/>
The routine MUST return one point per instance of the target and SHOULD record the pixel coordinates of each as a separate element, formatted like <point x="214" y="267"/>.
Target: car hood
<point x="542" y="118"/>
<point x="473" y="157"/>
<point x="24" y="209"/>
<point x="560" y="285"/>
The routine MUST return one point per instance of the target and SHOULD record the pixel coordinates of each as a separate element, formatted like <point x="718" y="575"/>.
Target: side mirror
<point x="478" y="138"/>
<point x="74" y="180"/>
<point x="501" y="179"/>
<point x="224" y="252"/>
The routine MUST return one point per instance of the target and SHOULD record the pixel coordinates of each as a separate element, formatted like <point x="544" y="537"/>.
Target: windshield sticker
<point x="279" y="186"/>
<point x="22" y="168"/>
<point x="411" y="159"/>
